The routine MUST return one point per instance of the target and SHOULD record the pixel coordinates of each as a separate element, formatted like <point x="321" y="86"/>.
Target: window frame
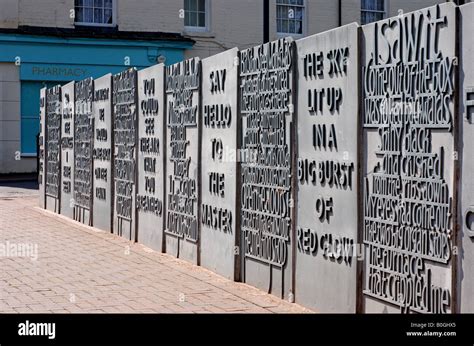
<point x="384" y="12"/>
<point x="114" y="18"/>
<point x="304" y="23"/>
<point x="207" y="18"/>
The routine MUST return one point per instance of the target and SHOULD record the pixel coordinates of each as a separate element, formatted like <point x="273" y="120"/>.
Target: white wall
<point x="232" y="24"/>
<point x="10" y="126"/>
<point x="350" y="11"/>
<point x="48" y="13"/>
<point x="8" y="13"/>
<point x="409" y="5"/>
<point x="149" y="15"/>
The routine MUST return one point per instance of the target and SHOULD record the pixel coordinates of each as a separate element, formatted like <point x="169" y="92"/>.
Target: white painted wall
<point x="8" y="13"/>
<point x="10" y="126"/>
<point x="48" y="13"/>
<point x="232" y="23"/>
<point x="149" y="15"/>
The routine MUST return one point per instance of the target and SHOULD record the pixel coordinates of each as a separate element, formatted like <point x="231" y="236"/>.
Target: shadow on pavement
<point x="28" y="185"/>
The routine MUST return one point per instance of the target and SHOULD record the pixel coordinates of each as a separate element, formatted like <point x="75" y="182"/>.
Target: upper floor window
<point x="94" y="12"/>
<point x="290" y="16"/>
<point x="195" y="14"/>
<point x="372" y="11"/>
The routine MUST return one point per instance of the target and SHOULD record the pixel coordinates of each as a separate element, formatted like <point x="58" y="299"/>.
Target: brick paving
<point x="82" y="270"/>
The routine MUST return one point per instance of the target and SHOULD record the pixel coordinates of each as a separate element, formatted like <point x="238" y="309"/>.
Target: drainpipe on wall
<point x="340" y="13"/>
<point x="266" y="21"/>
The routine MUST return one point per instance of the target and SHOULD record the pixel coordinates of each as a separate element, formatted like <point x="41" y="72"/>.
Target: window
<point x="372" y="11"/>
<point x="195" y="14"/>
<point x="290" y="16"/>
<point x="94" y="12"/>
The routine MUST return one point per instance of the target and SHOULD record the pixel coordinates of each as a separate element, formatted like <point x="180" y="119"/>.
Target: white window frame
<point x="384" y="12"/>
<point x="304" y="23"/>
<point x="205" y="28"/>
<point x="114" y="18"/>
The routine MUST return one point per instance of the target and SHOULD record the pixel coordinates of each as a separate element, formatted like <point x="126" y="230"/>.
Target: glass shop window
<point x="290" y="16"/>
<point x="372" y="11"/>
<point x="196" y="15"/>
<point x="94" y="12"/>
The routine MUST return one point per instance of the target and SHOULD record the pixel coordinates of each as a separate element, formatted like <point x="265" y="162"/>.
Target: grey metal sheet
<point x="182" y="88"/>
<point x="102" y="154"/>
<point x="67" y="150"/>
<point x="53" y="148"/>
<point x="151" y="157"/>
<point x="328" y="144"/>
<point x="408" y="77"/>
<point x="267" y="193"/>
<point x="42" y="150"/>
<point x="83" y="146"/>
<point x="219" y="164"/>
<point x="125" y="115"/>
<point x="466" y="119"/>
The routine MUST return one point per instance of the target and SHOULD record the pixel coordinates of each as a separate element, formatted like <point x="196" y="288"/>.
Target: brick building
<point x="48" y="42"/>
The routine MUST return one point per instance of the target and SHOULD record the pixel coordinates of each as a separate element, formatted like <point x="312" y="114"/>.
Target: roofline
<point x="84" y="37"/>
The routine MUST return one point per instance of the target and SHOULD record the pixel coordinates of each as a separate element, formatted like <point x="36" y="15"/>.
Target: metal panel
<point x="53" y="149"/>
<point x="219" y="164"/>
<point x="102" y="153"/>
<point x="182" y="87"/>
<point x="67" y="150"/>
<point x="124" y="101"/>
<point x="327" y="213"/>
<point x="151" y="157"/>
<point x="83" y="146"/>
<point x="42" y="150"/>
<point x="267" y="193"/>
<point x="466" y="120"/>
<point x="409" y="118"/>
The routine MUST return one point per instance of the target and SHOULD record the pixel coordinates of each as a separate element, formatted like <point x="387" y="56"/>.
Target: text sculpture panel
<point x="83" y="146"/>
<point x="102" y="153"/>
<point x="182" y="86"/>
<point x="67" y="150"/>
<point x="466" y="119"/>
<point x="125" y="116"/>
<point x="151" y="157"/>
<point x="327" y="213"/>
<point x="42" y="149"/>
<point x="408" y="76"/>
<point x="219" y="164"/>
<point x="53" y="148"/>
<point x="267" y="178"/>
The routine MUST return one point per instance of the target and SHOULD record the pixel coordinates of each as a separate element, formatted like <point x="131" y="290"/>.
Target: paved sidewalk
<point x="79" y="269"/>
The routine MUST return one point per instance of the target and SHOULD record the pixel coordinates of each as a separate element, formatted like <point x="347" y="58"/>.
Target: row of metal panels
<point x="333" y="171"/>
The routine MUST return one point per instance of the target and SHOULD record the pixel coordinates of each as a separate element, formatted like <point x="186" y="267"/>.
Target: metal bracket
<point x="469" y="103"/>
<point x="469" y="213"/>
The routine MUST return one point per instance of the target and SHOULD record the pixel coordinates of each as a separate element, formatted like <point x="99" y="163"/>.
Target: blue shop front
<point x="56" y="57"/>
